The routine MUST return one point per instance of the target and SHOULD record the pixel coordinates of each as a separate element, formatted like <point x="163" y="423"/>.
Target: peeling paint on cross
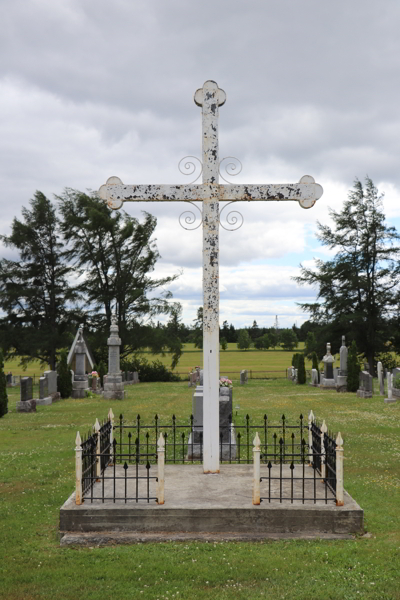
<point x="210" y="97"/>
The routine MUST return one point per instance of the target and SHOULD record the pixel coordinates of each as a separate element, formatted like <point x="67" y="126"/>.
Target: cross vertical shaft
<point x="210" y="97"/>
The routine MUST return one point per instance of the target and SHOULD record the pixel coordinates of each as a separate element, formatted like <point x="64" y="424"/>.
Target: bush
<point x="244" y="340"/>
<point x="224" y="343"/>
<point x="64" y="379"/>
<point x="295" y="359"/>
<point x="353" y="369"/>
<point x="102" y="371"/>
<point x="154" y="371"/>
<point x="3" y="388"/>
<point x="315" y="364"/>
<point x="301" y="369"/>
<point x="396" y="382"/>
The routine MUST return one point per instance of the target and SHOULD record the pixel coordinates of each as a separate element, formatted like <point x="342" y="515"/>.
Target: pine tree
<point x="301" y="369"/>
<point x="295" y="359"/>
<point x="102" y="371"/>
<point x="359" y="287"/>
<point x="244" y="340"/>
<point x="353" y="368"/>
<point x="3" y="388"/>
<point x="64" y="380"/>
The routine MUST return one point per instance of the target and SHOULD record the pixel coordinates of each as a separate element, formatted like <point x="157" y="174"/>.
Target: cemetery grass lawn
<point x="37" y="476"/>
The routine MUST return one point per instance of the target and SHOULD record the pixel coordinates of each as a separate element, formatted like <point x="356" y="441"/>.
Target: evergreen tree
<point x="353" y="368"/>
<point x="3" y="388"/>
<point x="244" y="340"/>
<point x="102" y="371"/>
<point x="64" y="379"/>
<point x="198" y="329"/>
<point x="358" y="288"/>
<point x="224" y="343"/>
<point x="288" y="339"/>
<point x="301" y="369"/>
<point x="115" y="254"/>
<point x="35" y="294"/>
<point x="315" y="364"/>
<point x="310" y="345"/>
<point x="295" y="360"/>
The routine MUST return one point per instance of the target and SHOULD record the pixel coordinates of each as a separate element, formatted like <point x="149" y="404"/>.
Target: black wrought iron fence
<point x="184" y="439"/>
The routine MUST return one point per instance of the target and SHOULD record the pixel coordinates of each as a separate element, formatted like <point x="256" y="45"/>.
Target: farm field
<point x="37" y="475"/>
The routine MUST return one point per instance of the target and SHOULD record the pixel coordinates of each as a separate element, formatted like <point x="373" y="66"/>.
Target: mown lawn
<point x="37" y="475"/>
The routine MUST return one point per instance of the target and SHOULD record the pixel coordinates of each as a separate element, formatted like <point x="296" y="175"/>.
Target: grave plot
<point x="140" y="481"/>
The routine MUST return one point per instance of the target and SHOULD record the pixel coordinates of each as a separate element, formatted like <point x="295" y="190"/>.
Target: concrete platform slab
<point x="199" y="506"/>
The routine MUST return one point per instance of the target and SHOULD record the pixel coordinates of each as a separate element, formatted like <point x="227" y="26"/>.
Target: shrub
<point x="102" y="371"/>
<point x="224" y="343"/>
<point x="301" y="369"/>
<point x="154" y="371"/>
<point x="315" y="364"/>
<point x="396" y="382"/>
<point x="244" y="340"/>
<point x="3" y="388"/>
<point x="64" y="379"/>
<point x="353" y="369"/>
<point x="295" y="359"/>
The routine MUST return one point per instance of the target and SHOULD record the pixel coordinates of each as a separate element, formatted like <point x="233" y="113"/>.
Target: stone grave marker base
<point x="26" y="406"/>
<point x="198" y="506"/>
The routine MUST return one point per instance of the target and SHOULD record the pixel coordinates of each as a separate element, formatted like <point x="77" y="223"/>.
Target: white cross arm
<point x="115" y="193"/>
<point x="306" y="192"/>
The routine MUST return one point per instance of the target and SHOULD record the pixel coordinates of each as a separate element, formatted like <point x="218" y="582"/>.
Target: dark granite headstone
<point x="26" y="389"/>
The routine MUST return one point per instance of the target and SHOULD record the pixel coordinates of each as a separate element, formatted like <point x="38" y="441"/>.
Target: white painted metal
<point x="256" y="469"/>
<point x="210" y="97"/>
<point x="160" y="466"/>
<point x="310" y="422"/>
<point x="339" y="470"/>
<point x="98" y="462"/>
<point x="78" y="469"/>
<point x="324" y="429"/>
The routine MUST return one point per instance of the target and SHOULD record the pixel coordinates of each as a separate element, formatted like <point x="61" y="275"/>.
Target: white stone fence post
<point x="78" y="469"/>
<point x="98" y="461"/>
<point x="161" y="463"/>
<point x="256" y="469"/>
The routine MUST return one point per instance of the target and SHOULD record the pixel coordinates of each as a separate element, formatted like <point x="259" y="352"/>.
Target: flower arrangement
<point x="225" y="382"/>
<point x="94" y="374"/>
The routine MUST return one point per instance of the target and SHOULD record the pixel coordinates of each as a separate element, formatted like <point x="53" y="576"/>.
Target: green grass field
<point x="37" y="475"/>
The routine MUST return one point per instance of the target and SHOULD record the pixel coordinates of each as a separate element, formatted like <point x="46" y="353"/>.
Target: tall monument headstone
<point x="341" y="379"/>
<point x="211" y="193"/>
<point x="27" y="404"/>
<point x="114" y="386"/>
<point x="328" y="380"/>
<point x="80" y="384"/>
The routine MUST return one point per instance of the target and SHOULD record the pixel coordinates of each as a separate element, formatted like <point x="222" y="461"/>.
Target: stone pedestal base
<point x="341" y="383"/>
<point x="27" y="406"/>
<point x="114" y="388"/>
<point x="364" y="394"/>
<point x="79" y="388"/>
<point x="56" y="396"/>
<point x="390" y="400"/>
<point x="44" y="401"/>
<point x="327" y="383"/>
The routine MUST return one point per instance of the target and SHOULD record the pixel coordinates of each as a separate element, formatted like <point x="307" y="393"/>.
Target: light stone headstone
<point x="390" y="399"/>
<point x="343" y="357"/>
<point x="381" y="379"/>
<point x="314" y="377"/>
<point x="365" y="386"/>
<point x="80" y="385"/>
<point x="51" y="377"/>
<point x="114" y="387"/>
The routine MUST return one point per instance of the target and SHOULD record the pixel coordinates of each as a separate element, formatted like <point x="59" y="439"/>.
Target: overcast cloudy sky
<point x="93" y="88"/>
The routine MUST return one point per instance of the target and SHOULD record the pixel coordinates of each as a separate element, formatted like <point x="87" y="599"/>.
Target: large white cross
<point x="210" y="97"/>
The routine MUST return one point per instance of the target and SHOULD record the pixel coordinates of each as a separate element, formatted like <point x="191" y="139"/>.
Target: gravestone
<point x="114" y="387"/>
<point x="9" y="379"/>
<point x="289" y="373"/>
<point x="80" y="384"/>
<point x="341" y="379"/>
<point x="27" y="404"/>
<point x="225" y="416"/>
<point x="314" y="377"/>
<point x="243" y="377"/>
<point x="136" y="377"/>
<point x="328" y="379"/>
<point x="390" y="399"/>
<point x="51" y="377"/>
<point x="381" y="379"/>
<point x="44" y="398"/>
<point x="366" y="389"/>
